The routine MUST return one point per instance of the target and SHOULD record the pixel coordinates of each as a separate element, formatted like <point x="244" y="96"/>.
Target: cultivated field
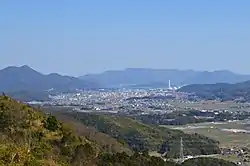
<point x="224" y="134"/>
<point x="211" y="105"/>
<point x="221" y="132"/>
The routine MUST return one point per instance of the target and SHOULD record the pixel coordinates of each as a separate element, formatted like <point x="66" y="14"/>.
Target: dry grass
<point x="92" y="134"/>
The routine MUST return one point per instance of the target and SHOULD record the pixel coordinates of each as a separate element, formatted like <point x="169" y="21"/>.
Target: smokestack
<point x="169" y="84"/>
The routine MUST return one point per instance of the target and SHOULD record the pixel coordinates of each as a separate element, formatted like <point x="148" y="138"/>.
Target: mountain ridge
<point x="146" y="76"/>
<point x="224" y="91"/>
<point x="24" y="78"/>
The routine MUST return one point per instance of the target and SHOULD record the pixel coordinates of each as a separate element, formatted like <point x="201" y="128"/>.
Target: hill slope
<point x="220" y="90"/>
<point x="219" y="76"/>
<point x="14" y="79"/>
<point x="156" y="77"/>
<point x="29" y="137"/>
<point x="142" y="137"/>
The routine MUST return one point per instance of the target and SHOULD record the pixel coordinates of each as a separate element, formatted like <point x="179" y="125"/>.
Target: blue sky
<point x="81" y="36"/>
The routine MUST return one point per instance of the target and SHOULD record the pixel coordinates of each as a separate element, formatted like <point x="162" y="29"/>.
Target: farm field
<point x="211" y="105"/>
<point x="221" y="132"/>
<point x="229" y="134"/>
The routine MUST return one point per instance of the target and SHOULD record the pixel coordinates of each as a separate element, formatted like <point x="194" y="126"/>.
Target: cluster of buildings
<point x="116" y="100"/>
<point x="242" y="154"/>
<point x="129" y="101"/>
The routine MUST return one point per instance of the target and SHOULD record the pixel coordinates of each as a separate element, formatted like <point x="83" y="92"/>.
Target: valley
<point x="92" y="139"/>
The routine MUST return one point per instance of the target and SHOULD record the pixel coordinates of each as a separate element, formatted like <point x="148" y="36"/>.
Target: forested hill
<point x="221" y="91"/>
<point x="28" y="137"/>
<point x="142" y="137"/>
<point x="24" y="78"/>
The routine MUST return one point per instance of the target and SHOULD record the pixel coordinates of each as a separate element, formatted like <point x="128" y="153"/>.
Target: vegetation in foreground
<point x="141" y="137"/>
<point x="32" y="138"/>
<point x="29" y="137"/>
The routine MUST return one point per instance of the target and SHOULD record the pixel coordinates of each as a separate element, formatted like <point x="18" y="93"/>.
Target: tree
<point x="51" y="123"/>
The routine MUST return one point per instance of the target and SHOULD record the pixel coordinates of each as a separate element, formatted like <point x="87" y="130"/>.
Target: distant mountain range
<point x="24" y="78"/>
<point x="137" y="77"/>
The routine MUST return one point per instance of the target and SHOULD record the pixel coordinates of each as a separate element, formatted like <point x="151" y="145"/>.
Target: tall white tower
<point x="169" y="84"/>
<point x="181" y="158"/>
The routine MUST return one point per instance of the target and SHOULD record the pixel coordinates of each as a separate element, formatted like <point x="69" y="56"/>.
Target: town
<point x="171" y="107"/>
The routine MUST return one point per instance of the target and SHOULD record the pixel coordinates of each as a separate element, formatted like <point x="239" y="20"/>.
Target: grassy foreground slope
<point x="142" y="137"/>
<point x="107" y="143"/>
<point x="29" y="137"/>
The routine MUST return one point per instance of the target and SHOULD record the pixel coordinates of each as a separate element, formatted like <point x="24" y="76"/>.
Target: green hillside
<point x="142" y="137"/>
<point x="30" y="137"/>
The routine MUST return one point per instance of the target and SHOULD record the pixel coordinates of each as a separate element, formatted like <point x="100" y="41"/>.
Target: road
<point x="191" y="157"/>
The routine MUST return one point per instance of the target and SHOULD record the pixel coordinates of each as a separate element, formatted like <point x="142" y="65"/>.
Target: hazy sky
<point x="75" y="37"/>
